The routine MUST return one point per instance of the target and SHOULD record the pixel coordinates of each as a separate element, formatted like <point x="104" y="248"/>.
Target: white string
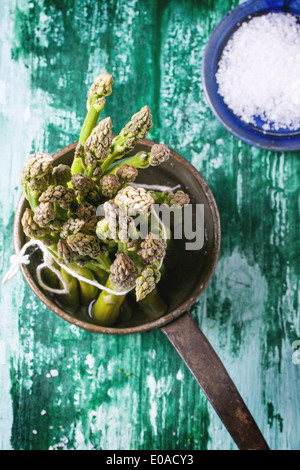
<point x="22" y="258"/>
<point x="95" y="283"/>
<point x="14" y="260"/>
<point x="17" y="260"/>
<point x="48" y="263"/>
<point x="156" y="187"/>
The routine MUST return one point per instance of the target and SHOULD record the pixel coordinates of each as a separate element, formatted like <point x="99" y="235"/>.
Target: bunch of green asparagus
<point x="106" y="248"/>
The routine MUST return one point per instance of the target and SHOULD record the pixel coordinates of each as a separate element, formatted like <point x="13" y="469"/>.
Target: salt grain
<point x="259" y="71"/>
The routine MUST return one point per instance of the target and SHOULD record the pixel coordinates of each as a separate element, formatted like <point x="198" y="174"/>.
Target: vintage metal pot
<point x="182" y="290"/>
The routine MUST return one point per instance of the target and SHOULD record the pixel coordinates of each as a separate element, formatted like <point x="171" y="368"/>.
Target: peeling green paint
<point x="64" y="388"/>
<point x="272" y="416"/>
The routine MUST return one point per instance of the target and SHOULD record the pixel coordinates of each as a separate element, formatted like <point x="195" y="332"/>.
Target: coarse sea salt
<point x="259" y="72"/>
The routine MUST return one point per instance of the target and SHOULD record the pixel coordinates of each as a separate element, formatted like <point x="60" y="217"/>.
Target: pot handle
<point x="211" y="375"/>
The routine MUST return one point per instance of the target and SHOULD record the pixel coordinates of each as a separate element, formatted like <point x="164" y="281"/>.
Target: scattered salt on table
<point x="259" y="71"/>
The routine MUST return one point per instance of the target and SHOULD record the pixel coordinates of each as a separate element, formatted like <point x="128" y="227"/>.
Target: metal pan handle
<point x="211" y="375"/>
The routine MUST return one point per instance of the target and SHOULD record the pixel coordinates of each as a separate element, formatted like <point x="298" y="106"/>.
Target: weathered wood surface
<point x="61" y="387"/>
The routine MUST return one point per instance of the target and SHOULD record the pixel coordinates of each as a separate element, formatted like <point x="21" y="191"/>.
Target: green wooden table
<point x="65" y="388"/>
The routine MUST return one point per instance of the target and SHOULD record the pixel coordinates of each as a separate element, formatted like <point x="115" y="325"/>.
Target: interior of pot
<point x="187" y="271"/>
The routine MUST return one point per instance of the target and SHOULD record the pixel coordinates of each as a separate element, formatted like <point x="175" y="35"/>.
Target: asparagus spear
<point x="57" y="250"/>
<point x="60" y="198"/>
<point x="179" y="198"/>
<point x="88" y="292"/>
<point x="123" y="277"/>
<point x="153" y="249"/>
<point x="126" y="173"/>
<point x="32" y="230"/>
<point x="95" y="103"/>
<point x="110" y="184"/>
<point x="98" y="144"/>
<point x="82" y="185"/>
<point x="36" y="176"/>
<point x="118" y="224"/>
<point x="134" y="200"/>
<point x="61" y="175"/>
<point x="153" y="305"/>
<point x="88" y="245"/>
<point x="160" y="153"/>
<point x="134" y="131"/>
<point x="146" y="282"/>
<point x="116" y="227"/>
<point x="70" y="300"/>
<point x="147" y="295"/>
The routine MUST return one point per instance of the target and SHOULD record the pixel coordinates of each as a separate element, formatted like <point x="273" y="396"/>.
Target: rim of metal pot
<point x="17" y="231"/>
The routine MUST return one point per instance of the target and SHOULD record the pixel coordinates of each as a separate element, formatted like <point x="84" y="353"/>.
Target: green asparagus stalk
<point x="152" y="249"/>
<point x="146" y="282"/>
<point x="125" y="173"/>
<point x="178" y="199"/>
<point x="110" y="184"/>
<point x="134" y="131"/>
<point x="84" y="187"/>
<point x="151" y="252"/>
<point x="91" y="119"/>
<point x="106" y="309"/>
<point x="125" y="311"/>
<point x="134" y="200"/>
<point x="70" y="300"/>
<point x="123" y="274"/>
<point x="76" y="261"/>
<point x="51" y="278"/>
<point x="97" y="147"/>
<point x="36" y="176"/>
<point x="78" y="244"/>
<point x="88" y="245"/>
<point x="100" y="274"/>
<point x="88" y="292"/>
<point x="153" y="306"/>
<point x="95" y="103"/>
<point x="159" y="154"/>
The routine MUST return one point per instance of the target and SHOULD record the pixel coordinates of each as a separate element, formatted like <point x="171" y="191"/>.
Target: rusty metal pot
<point x="183" y="289"/>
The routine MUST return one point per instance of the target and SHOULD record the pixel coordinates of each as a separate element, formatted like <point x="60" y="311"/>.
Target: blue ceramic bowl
<point x="281" y="140"/>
